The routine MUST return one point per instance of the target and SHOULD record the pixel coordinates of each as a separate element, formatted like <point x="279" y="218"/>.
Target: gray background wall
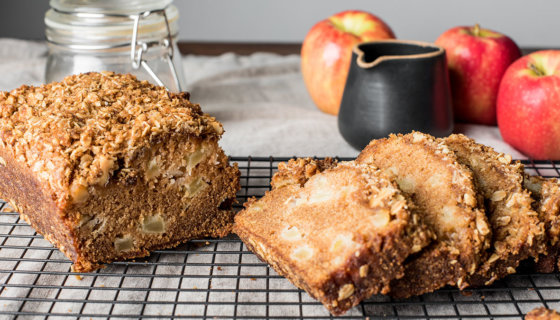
<point x="533" y="23"/>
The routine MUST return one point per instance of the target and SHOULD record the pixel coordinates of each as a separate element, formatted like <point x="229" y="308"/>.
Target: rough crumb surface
<point x="517" y="231"/>
<point x="82" y="128"/>
<point x="444" y="193"/>
<point x="342" y="236"/>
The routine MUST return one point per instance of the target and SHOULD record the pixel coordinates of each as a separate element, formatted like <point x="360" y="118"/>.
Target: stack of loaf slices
<point x="411" y="214"/>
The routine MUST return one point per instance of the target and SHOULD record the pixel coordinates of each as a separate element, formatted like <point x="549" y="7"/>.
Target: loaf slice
<point x="444" y="193"/>
<point x="517" y="232"/>
<point x="107" y="167"/>
<point x="546" y="195"/>
<point x="341" y="234"/>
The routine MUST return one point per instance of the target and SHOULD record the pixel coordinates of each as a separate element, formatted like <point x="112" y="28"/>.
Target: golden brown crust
<point x="546" y="193"/>
<point x="74" y="131"/>
<point x="542" y="313"/>
<point x="76" y="165"/>
<point x="299" y="170"/>
<point x="517" y="231"/>
<point x="445" y="195"/>
<point x="342" y="236"/>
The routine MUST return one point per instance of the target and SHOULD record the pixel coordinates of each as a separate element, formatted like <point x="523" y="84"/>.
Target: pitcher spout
<point x="371" y="54"/>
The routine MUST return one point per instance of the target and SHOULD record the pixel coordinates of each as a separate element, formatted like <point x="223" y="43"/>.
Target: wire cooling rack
<point x="221" y="279"/>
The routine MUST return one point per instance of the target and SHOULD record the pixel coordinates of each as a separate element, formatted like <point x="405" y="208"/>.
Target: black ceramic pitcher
<point x="395" y="86"/>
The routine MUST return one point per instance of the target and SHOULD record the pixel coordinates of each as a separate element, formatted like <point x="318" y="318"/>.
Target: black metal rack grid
<point x="221" y="279"/>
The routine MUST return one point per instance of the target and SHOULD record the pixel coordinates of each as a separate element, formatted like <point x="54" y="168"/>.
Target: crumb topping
<point x="86" y="126"/>
<point x="298" y="171"/>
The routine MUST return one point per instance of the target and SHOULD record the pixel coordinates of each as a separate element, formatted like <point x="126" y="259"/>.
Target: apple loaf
<point x="340" y="232"/>
<point x="107" y="167"/>
<point x="517" y="231"/>
<point x="445" y="194"/>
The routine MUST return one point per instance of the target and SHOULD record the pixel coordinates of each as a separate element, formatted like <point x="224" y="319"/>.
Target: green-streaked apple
<point x="529" y="105"/>
<point x="477" y="59"/>
<point x="327" y="51"/>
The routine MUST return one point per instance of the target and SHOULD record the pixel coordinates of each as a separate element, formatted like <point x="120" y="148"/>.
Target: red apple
<point x="477" y="59"/>
<point x="327" y="51"/>
<point x="529" y="105"/>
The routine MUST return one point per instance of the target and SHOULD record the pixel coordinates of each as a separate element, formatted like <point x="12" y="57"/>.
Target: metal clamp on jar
<point x="137" y="37"/>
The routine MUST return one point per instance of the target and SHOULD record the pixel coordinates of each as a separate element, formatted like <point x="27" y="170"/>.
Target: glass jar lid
<point x="102" y="24"/>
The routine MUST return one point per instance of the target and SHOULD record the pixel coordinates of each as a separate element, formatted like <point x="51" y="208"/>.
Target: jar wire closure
<point x="138" y="47"/>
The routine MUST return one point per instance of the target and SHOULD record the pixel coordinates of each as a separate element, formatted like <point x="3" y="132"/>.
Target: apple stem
<point x="476" y="30"/>
<point x="536" y="70"/>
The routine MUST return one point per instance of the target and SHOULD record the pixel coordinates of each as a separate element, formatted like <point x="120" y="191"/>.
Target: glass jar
<point x="123" y="36"/>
